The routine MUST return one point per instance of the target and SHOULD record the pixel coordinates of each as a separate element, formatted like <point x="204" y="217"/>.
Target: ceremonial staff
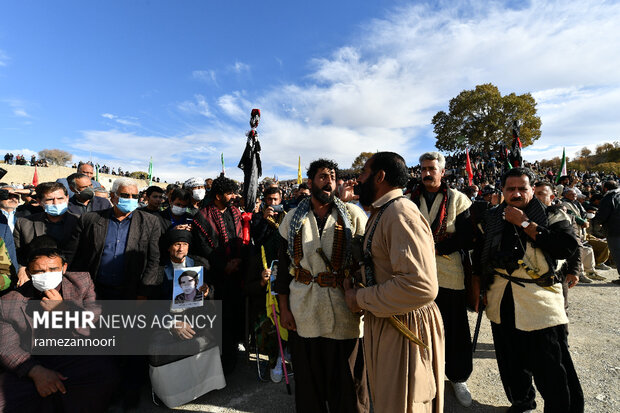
<point x="250" y="162"/>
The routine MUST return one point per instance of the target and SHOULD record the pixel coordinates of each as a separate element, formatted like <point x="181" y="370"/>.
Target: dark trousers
<point x="542" y="354"/>
<point x="330" y="373"/>
<point x="459" y="364"/>
<point x="90" y="383"/>
<point x="233" y="323"/>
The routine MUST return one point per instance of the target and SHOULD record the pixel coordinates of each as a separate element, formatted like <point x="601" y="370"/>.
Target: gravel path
<point x="594" y="341"/>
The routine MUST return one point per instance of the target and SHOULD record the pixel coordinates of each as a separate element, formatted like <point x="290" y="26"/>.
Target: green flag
<point x="223" y="169"/>
<point x="97" y="172"/>
<point x="151" y="171"/>
<point x="562" y="167"/>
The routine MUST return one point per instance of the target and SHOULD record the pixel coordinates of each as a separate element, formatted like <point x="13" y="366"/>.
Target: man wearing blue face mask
<point x="55" y="221"/>
<point x="118" y="246"/>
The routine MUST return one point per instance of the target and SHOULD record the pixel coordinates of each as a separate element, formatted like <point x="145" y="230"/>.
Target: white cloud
<point x="240" y="67"/>
<point x="21" y="113"/>
<point x="18" y="107"/>
<point x="198" y="106"/>
<point x="174" y="158"/>
<point x="381" y="91"/>
<point x="3" y="58"/>
<point x="205" y="76"/>
<point x="126" y="121"/>
<point x="233" y="105"/>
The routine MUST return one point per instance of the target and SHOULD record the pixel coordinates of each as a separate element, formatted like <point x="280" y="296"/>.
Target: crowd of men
<point x="19" y="159"/>
<point x="373" y="277"/>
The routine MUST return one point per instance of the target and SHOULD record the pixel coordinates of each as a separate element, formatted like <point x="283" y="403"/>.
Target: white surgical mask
<point x="47" y="280"/>
<point x="177" y="210"/>
<point x="589" y="215"/>
<point x="198" y="194"/>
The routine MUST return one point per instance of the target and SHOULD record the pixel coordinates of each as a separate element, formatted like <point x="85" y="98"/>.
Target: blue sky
<point x="122" y="81"/>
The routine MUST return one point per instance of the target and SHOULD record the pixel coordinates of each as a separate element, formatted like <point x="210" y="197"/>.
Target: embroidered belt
<point x="323" y="279"/>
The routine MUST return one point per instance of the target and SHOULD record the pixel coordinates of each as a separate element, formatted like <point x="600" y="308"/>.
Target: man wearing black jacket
<point x="217" y="236"/>
<point x="118" y="246"/>
<point x="520" y="246"/>
<point x="84" y="199"/>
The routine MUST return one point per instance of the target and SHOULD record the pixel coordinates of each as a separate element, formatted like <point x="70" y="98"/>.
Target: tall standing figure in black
<point x="250" y="163"/>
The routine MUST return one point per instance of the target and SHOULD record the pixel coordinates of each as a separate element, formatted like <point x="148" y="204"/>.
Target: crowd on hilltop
<point x="11" y="159"/>
<point x="76" y="239"/>
<point x="104" y="169"/>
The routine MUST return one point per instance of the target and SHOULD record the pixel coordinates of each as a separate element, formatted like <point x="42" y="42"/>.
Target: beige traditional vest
<point x="535" y="307"/>
<point x="449" y="268"/>
<point x="322" y="311"/>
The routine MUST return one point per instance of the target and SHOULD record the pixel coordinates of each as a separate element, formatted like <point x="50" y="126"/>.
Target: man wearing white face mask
<point x="118" y="246"/>
<point x="85" y="382"/>
<point x="197" y="187"/>
<point x="56" y="222"/>
<point x="176" y="214"/>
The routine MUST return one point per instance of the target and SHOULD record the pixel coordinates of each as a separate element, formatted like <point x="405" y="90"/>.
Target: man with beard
<point x="447" y="212"/>
<point x="324" y="336"/>
<point x="400" y="278"/>
<point x="217" y="236"/>
<point x="522" y="241"/>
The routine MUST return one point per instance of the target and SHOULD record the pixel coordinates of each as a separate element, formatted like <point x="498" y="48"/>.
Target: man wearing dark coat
<point x="84" y="199"/>
<point x="519" y="249"/>
<point x="217" y="236"/>
<point x="118" y="246"/>
<point x="55" y="382"/>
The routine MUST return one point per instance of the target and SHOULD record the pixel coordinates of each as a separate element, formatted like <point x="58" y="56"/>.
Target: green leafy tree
<point x="482" y="119"/>
<point x="55" y="156"/>
<point x="358" y="163"/>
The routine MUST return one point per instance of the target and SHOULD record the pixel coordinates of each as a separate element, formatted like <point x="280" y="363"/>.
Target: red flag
<point x="246" y="217"/>
<point x="35" y="178"/>
<point x="470" y="172"/>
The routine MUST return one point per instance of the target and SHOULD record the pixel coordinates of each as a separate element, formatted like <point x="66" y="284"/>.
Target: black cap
<point x="178" y="235"/>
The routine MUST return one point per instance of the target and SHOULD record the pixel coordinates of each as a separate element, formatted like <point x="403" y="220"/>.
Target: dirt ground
<point x="594" y="341"/>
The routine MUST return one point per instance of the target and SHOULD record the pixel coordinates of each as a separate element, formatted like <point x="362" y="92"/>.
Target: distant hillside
<point x="22" y="174"/>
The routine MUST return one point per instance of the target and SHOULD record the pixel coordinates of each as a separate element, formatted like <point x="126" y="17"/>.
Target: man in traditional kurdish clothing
<point x="521" y="243"/>
<point x="217" y="236"/>
<point x="324" y="336"/>
<point x="447" y="212"/>
<point x="400" y="258"/>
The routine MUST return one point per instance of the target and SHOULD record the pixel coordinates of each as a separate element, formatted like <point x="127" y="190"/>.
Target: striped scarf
<point x="213" y="217"/>
<point x="299" y="216"/>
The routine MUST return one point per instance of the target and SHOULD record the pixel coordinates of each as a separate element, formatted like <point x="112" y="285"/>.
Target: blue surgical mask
<point x="126" y="205"/>
<point x="56" y="209"/>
